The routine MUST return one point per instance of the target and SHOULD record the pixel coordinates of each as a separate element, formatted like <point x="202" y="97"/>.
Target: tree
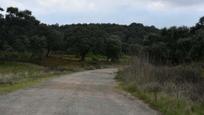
<point x="197" y="46"/>
<point x="37" y="46"/>
<point x="1" y="16"/>
<point x="113" y="48"/>
<point x="1" y="28"/>
<point x="12" y="10"/>
<point x="21" y="32"/>
<point x="98" y="45"/>
<point x="25" y="14"/>
<point x="201" y="21"/>
<point x="1" y="9"/>
<point x="12" y="13"/>
<point x="54" y="40"/>
<point x="21" y="44"/>
<point x="82" y="46"/>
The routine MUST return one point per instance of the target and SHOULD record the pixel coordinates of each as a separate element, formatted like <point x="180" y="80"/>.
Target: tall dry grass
<point x="181" y="81"/>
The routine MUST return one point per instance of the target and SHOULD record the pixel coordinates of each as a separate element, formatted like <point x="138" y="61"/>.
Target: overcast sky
<point x="161" y="13"/>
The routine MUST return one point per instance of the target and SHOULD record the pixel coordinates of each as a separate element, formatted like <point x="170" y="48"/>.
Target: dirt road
<point x="83" y="93"/>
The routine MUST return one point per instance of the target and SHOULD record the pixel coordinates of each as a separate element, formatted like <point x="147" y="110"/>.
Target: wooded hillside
<point x="22" y="37"/>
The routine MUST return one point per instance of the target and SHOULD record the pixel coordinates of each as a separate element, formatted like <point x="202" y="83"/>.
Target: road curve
<point x="83" y="93"/>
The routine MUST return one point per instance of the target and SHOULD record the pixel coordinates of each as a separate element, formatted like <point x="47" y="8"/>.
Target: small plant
<point x="154" y="88"/>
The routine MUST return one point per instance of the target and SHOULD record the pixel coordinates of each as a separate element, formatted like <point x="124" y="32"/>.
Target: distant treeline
<point x="22" y="35"/>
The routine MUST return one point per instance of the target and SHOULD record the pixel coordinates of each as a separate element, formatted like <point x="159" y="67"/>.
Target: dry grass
<point x="182" y="84"/>
<point x="15" y="75"/>
<point x="73" y="63"/>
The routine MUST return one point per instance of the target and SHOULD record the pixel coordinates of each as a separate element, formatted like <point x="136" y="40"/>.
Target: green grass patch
<point x="6" y="88"/>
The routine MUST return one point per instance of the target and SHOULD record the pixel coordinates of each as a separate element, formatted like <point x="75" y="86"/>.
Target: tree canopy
<point x="21" y="33"/>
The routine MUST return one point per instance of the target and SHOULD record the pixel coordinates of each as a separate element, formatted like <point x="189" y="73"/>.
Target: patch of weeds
<point x="166" y="104"/>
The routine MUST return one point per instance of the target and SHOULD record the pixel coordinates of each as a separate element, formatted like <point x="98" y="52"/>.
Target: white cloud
<point x="100" y="6"/>
<point x="67" y="5"/>
<point x="148" y="11"/>
<point x="158" y="5"/>
<point x="6" y="3"/>
<point x="51" y="6"/>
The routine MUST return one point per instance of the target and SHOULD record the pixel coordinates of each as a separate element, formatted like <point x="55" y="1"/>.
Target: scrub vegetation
<point x="165" y="65"/>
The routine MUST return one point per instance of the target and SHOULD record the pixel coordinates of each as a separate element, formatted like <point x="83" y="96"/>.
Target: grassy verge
<point x="167" y="105"/>
<point x="18" y="75"/>
<point x="6" y="88"/>
<point x="14" y="75"/>
<point x="172" y="90"/>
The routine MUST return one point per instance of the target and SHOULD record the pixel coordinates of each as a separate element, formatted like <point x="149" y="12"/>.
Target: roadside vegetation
<point x="165" y="68"/>
<point x="173" y="90"/>
<point x="31" y="51"/>
<point x="17" y="75"/>
<point x="24" y="38"/>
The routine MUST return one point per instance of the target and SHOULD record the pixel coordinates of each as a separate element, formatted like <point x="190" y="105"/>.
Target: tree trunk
<point x="155" y="96"/>
<point x="48" y="52"/>
<point x="82" y="55"/>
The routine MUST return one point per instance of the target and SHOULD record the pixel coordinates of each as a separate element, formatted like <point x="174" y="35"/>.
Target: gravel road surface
<point x="84" y="93"/>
